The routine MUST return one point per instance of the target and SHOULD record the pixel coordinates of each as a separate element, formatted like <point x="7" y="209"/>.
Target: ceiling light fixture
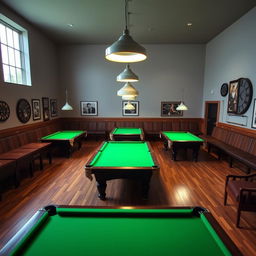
<point x="128" y="90"/>
<point x="66" y="106"/>
<point x="129" y="106"/>
<point x="128" y="97"/>
<point x="127" y="75"/>
<point x="125" y="49"/>
<point x="182" y="106"/>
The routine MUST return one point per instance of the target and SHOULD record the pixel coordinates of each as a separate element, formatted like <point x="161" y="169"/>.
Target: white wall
<point x="169" y="68"/>
<point x="44" y="72"/>
<point x="229" y="56"/>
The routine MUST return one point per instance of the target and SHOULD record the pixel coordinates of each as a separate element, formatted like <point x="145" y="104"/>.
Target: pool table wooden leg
<point x="145" y="185"/>
<point x="101" y="186"/>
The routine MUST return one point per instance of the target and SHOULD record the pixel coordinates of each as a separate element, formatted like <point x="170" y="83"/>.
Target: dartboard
<point x="23" y="110"/>
<point x="4" y="111"/>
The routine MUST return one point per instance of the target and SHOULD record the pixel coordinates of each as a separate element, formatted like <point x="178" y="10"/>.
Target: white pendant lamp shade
<point x="128" y="97"/>
<point x="126" y="50"/>
<point x="129" y="106"/>
<point x="127" y="75"/>
<point x="127" y="89"/>
<point x="66" y="106"/>
<point x="182" y="106"/>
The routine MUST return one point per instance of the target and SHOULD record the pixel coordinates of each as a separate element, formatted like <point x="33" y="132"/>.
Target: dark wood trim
<point x="25" y="128"/>
<point x="241" y="130"/>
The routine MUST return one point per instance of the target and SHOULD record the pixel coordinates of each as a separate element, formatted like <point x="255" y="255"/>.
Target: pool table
<point x="127" y="134"/>
<point x="122" y="160"/>
<point x="67" y="230"/>
<point x="175" y="141"/>
<point x="65" y="140"/>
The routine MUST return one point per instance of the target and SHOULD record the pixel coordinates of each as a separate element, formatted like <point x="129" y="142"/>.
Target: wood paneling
<point x="181" y="183"/>
<point x="244" y="131"/>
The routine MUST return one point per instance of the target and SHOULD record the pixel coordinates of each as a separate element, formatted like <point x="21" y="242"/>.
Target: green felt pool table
<point x="127" y="134"/>
<point x="122" y="160"/>
<point x="65" y="140"/>
<point x="175" y="141"/>
<point x="67" y="230"/>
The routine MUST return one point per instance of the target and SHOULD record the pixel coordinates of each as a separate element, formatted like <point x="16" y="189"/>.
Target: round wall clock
<point x="224" y="90"/>
<point x="23" y="110"/>
<point x="4" y="111"/>
<point x="245" y="93"/>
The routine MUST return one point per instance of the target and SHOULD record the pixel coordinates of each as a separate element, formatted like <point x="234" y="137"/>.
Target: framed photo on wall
<point x="254" y="115"/>
<point x="53" y="107"/>
<point x="46" y="111"/>
<point x="36" y="109"/>
<point x="168" y="108"/>
<point x="89" y="108"/>
<point x="127" y="112"/>
<point x="233" y="96"/>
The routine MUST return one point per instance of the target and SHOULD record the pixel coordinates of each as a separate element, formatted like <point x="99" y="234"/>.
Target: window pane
<point x="11" y="56"/>
<point x="4" y="54"/>
<point x="9" y="37"/>
<point x="19" y="75"/>
<point x="16" y="40"/>
<point x="13" y="75"/>
<point x="6" y="73"/>
<point x="17" y="59"/>
<point x="2" y="34"/>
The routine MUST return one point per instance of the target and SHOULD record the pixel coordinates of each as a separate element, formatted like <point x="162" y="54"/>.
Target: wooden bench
<point x="237" y="146"/>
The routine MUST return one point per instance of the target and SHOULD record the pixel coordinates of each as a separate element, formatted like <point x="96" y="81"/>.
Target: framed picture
<point x="254" y="115"/>
<point x="89" y="108"/>
<point x="134" y="112"/>
<point x="168" y="108"/>
<point x="46" y="111"/>
<point x="53" y="107"/>
<point x="233" y="96"/>
<point x="36" y="109"/>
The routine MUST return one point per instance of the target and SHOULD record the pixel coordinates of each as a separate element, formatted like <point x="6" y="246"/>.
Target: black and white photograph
<point x="254" y="115"/>
<point x="89" y="108"/>
<point x="233" y="96"/>
<point x="131" y="112"/>
<point x="53" y="107"/>
<point x="36" y="110"/>
<point x="46" y="109"/>
<point x="168" y="108"/>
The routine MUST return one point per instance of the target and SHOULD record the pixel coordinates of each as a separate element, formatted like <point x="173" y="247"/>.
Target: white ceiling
<point x="151" y="21"/>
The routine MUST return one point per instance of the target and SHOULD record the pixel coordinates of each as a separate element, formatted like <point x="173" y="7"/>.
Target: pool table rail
<point x="19" y="242"/>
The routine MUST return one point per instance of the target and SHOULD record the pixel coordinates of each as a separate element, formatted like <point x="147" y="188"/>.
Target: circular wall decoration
<point x="4" y="111"/>
<point x="23" y="110"/>
<point x="245" y="93"/>
<point x="224" y="90"/>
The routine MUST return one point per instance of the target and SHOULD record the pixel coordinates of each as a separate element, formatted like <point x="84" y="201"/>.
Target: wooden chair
<point x="242" y="189"/>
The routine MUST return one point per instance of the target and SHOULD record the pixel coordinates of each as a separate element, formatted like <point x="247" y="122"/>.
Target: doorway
<point x="211" y="116"/>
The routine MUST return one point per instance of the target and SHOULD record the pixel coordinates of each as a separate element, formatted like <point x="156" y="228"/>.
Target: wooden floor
<point x="181" y="183"/>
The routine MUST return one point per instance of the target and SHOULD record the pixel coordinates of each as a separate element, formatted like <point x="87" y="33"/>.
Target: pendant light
<point x="129" y="106"/>
<point x="66" y="106"/>
<point x="125" y="49"/>
<point x="128" y="89"/>
<point x="128" y="97"/>
<point x="182" y="106"/>
<point x="127" y="75"/>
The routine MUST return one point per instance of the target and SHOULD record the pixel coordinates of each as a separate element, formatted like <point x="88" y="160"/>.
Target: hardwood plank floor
<point x="181" y="183"/>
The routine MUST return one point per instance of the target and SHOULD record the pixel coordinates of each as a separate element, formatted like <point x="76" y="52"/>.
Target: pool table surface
<point x="175" y="140"/>
<point x="128" y="133"/>
<point x="122" y="160"/>
<point x="126" y="231"/>
<point x="65" y="140"/>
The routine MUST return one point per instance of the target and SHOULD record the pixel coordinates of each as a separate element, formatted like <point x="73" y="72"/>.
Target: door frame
<point x="206" y="108"/>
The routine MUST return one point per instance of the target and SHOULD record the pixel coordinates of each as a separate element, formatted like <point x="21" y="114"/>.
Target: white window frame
<point x="24" y="48"/>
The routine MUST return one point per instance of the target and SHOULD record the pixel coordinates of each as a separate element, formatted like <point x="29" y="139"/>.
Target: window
<point x="14" y="52"/>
